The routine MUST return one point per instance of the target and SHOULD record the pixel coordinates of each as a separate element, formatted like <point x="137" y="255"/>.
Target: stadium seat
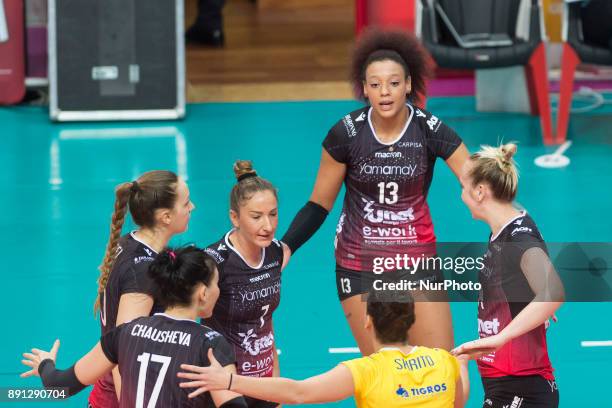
<point x="482" y="34"/>
<point x="576" y="49"/>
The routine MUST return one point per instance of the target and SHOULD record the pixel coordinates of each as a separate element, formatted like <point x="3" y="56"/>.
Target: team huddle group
<point x="192" y="327"/>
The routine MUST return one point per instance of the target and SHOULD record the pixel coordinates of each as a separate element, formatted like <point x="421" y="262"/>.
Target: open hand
<point x="210" y="378"/>
<point x="477" y="348"/>
<point x="34" y="359"/>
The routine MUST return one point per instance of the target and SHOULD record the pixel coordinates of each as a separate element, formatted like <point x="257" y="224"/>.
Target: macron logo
<point x="361" y="117"/>
<point x="221" y="247"/>
<point x="519" y="222"/>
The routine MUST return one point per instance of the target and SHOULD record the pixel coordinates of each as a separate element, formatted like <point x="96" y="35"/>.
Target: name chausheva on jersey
<point x="163" y="336"/>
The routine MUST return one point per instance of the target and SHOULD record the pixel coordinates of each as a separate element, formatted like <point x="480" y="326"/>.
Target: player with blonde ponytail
<point x="159" y="204"/>
<point x="520" y="288"/>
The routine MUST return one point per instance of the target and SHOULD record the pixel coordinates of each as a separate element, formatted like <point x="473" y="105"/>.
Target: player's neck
<point x="499" y="214"/>
<point x="388" y="129"/>
<point x="249" y="251"/>
<point x="181" y="312"/>
<point x="156" y="239"/>
<point x="405" y="348"/>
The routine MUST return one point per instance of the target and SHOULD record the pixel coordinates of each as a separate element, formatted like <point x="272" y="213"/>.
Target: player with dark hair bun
<point x="398" y="374"/>
<point x="150" y="350"/>
<point x="384" y="154"/>
<point x="250" y="261"/>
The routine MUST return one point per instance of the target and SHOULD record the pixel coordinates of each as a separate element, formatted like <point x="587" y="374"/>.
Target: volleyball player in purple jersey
<point x="149" y="351"/>
<point x="520" y="288"/>
<point x="159" y="204"/>
<point x="250" y="261"/>
<point x="384" y="153"/>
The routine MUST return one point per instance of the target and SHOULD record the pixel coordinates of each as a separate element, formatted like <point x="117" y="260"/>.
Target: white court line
<point x="119" y="133"/>
<point x="597" y="343"/>
<point x="343" y="350"/>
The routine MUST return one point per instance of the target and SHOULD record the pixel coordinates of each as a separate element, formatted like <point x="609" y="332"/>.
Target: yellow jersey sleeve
<point x="452" y="363"/>
<point x="363" y="372"/>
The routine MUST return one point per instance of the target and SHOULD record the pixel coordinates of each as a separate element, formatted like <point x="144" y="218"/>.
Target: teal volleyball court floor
<point x="58" y="180"/>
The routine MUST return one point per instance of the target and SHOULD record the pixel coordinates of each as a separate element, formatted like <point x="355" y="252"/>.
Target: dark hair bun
<point x="177" y="272"/>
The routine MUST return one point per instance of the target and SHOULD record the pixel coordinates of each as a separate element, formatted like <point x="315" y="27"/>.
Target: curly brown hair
<point x="395" y="45"/>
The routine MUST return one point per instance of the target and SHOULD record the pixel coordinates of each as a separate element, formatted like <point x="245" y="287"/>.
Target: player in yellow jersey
<point x="397" y="375"/>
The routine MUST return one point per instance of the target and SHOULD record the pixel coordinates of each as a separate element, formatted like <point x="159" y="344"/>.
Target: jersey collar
<point x="228" y="243"/>
<point x="133" y="235"/>
<point x="401" y="134"/>
<point x="175" y="318"/>
<point x="398" y="349"/>
<point x="522" y="214"/>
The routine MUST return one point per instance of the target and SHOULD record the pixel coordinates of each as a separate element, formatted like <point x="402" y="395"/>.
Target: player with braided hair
<point x="159" y="204"/>
<point x="149" y="350"/>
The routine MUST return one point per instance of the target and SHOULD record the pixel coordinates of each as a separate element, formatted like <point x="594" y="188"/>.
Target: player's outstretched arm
<point x="456" y="160"/>
<point x="329" y="181"/>
<point x="547" y="288"/>
<point x="549" y="296"/>
<point x="308" y="220"/>
<point x="224" y="398"/>
<point x="85" y="372"/>
<point x="334" y="385"/>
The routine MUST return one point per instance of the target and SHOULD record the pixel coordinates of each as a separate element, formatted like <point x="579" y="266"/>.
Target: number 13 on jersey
<point x="387" y="192"/>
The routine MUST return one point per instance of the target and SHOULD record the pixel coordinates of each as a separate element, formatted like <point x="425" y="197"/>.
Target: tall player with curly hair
<point x="159" y="204"/>
<point x="384" y="153"/>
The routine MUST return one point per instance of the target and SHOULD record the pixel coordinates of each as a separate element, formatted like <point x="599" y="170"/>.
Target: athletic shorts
<point x="532" y="391"/>
<point x="350" y="282"/>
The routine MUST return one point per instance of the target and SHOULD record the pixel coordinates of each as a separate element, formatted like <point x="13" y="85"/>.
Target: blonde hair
<point x="496" y="167"/>
<point x="153" y="190"/>
<point x="248" y="183"/>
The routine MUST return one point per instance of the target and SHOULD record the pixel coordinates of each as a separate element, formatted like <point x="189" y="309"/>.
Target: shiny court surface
<point x="58" y="196"/>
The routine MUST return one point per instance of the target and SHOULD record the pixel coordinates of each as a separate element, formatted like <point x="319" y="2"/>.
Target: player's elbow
<point x="299" y="394"/>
